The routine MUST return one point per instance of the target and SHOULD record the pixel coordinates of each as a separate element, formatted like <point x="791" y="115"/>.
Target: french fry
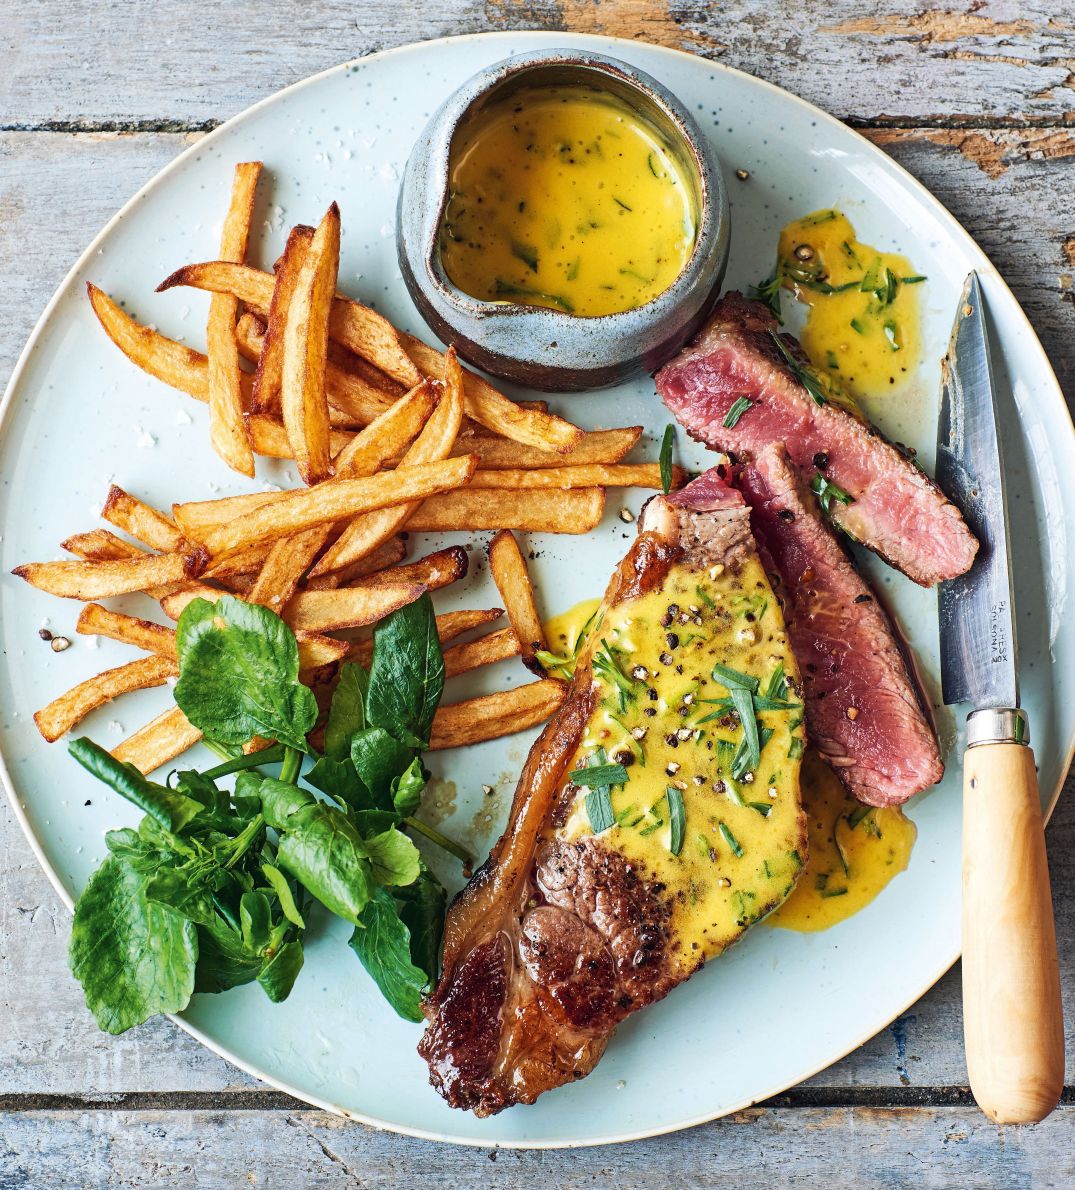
<point x="161" y="740"/>
<point x="333" y="501"/>
<point x="597" y="446"/>
<point x="360" y="329"/>
<point x="227" y="429"/>
<point x="141" y="521"/>
<point x="449" y="626"/>
<point x="435" y="442"/>
<point x="265" y="397"/>
<point x="64" y="712"/>
<point x="492" y="409"/>
<point x="198" y="517"/>
<point x="434" y="571"/>
<point x="577" y="510"/>
<point x="99" y="580"/>
<point x="357" y="392"/>
<point x="287" y="561"/>
<point x="269" y="438"/>
<point x="495" y="715"/>
<point x="350" y="607"/>
<point x="96" y="620"/>
<point x="589" y="475"/>
<point x="100" y="545"/>
<point x="173" y="363"/>
<point x="508" y="568"/>
<point x="391" y="553"/>
<point x="320" y="610"/>
<point x="471" y="654"/>
<point x="391" y="432"/>
<point x="303" y="401"/>
<point x="362" y="606"/>
<point x="453" y="624"/>
<point x="173" y="602"/>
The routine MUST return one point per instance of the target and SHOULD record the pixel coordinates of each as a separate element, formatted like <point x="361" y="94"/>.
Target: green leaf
<point x="347" y="714"/>
<point x="134" y="958"/>
<point x="394" y="858"/>
<point x="379" y="758"/>
<point x="278" y="882"/>
<point x="739" y="406"/>
<point x="826" y="491"/>
<point x="421" y="909"/>
<point x="730" y="839"/>
<point x="374" y="822"/>
<point x="748" y="756"/>
<point x="407" y="673"/>
<point x="224" y="961"/>
<point x="732" y="679"/>
<point x="171" y="809"/>
<point x="339" y="780"/>
<point x="668" y="442"/>
<point x="320" y="847"/>
<point x="384" y="949"/>
<point x="801" y="372"/>
<point x="255" y="920"/>
<point x="407" y="787"/>
<point x="174" y="888"/>
<point x="599" y="774"/>
<point x="278" y="976"/>
<point x="599" y="809"/>
<point x="677" y="815"/>
<point x="239" y="674"/>
<point x="247" y="795"/>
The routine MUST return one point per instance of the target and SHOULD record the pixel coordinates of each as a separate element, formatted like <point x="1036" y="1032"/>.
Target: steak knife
<point x="1012" y="1018"/>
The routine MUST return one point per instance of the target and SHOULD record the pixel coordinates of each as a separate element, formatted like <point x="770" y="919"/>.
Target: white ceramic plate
<point x="781" y="1005"/>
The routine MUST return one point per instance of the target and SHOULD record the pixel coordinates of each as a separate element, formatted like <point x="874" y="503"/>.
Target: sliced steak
<point x="896" y="511"/>
<point x="563" y="931"/>
<point x="862" y="706"/>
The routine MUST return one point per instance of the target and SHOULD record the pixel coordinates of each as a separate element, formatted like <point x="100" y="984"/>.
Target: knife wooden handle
<point x="1012" y="1019"/>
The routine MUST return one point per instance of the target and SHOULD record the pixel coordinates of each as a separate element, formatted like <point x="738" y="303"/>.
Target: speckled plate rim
<point x="954" y="227"/>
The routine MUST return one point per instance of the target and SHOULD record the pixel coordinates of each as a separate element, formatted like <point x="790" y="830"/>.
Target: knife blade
<point x="1012" y="1015"/>
<point x="979" y="657"/>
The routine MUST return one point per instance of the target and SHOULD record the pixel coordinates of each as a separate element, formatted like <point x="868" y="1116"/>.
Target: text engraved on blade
<point x="998" y="637"/>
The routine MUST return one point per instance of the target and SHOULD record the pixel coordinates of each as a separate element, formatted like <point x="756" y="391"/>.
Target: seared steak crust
<point x="862" y="707"/>
<point x="896" y="511"/>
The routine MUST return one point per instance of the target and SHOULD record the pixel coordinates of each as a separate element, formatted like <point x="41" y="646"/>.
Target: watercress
<point x="213" y="889"/>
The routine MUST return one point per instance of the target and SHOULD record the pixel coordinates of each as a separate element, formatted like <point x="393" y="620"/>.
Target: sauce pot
<point x="537" y="346"/>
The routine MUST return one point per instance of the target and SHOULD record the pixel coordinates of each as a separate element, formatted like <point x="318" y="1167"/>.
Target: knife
<point x="1012" y="1020"/>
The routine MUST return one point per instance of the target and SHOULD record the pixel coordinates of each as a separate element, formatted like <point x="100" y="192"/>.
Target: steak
<point x="894" y="509"/>
<point x="575" y="922"/>
<point x="862" y="707"/>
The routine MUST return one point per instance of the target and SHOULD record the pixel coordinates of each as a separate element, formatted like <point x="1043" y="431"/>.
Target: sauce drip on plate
<point x="566" y="197"/>
<point x="863" y="325"/>
<point x="855" y="850"/>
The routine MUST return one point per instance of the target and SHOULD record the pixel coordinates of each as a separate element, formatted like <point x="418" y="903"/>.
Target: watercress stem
<point x="434" y="836"/>
<point x="238" y="763"/>
<point x="289" y="770"/>
<point x="244" y="839"/>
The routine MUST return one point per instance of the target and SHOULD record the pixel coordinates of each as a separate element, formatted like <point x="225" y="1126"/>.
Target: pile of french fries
<point x="388" y="434"/>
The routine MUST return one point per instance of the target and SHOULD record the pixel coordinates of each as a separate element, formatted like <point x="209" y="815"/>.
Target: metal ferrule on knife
<point x="997" y="726"/>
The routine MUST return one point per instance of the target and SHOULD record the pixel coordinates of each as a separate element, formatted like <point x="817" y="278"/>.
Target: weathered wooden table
<point x="978" y="101"/>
